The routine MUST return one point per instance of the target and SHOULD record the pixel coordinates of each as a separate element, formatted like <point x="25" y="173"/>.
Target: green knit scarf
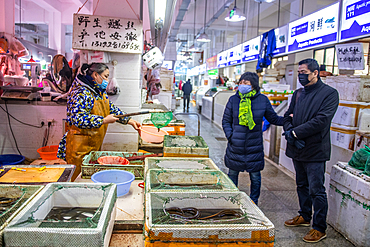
<point x="245" y="109"/>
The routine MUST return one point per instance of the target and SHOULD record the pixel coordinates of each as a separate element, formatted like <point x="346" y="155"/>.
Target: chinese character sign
<point x="350" y="56"/>
<point x="101" y="33"/>
<point x="317" y="29"/>
<point x="355" y="19"/>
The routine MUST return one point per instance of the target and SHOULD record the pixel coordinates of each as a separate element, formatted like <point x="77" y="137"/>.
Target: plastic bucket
<point x="11" y="159"/>
<point x="150" y="134"/>
<point x="122" y="179"/>
<point x="48" y="152"/>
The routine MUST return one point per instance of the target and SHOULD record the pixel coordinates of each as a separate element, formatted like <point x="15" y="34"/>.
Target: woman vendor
<point x="89" y="111"/>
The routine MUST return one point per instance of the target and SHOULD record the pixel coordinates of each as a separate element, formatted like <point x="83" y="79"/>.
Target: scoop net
<point x="161" y="119"/>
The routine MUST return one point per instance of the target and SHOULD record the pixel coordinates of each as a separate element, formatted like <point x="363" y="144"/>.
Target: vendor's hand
<point x="135" y="124"/>
<point x="110" y="119"/>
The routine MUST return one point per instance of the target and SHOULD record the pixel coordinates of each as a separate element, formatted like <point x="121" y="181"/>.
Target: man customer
<point x="187" y="88"/>
<point x="307" y="131"/>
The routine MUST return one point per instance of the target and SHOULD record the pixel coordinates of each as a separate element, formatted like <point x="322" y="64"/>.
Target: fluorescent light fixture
<point x="264" y="1"/>
<point x="159" y="12"/>
<point x="203" y="38"/>
<point x="235" y="15"/>
<point x="192" y="48"/>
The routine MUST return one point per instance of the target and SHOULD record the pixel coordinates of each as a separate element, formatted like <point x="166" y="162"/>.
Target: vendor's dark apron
<point x="81" y="142"/>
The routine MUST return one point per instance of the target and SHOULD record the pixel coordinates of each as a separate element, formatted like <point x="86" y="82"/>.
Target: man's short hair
<point x="253" y="78"/>
<point x="311" y="63"/>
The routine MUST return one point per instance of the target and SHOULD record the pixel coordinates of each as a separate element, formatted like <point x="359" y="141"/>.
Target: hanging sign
<point x="212" y="62"/>
<point x="203" y="68"/>
<point x="167" y="65"/>
<point x="350" y="56"/>
<point x="101" y="33"/>
<point x="355" y="19"/>
<point x="234" y="55"/>
<point x="251" y="49"/>
<point x="281" y="35"/>
<point x="222" y="59"/>
<point x="317" y="29"/>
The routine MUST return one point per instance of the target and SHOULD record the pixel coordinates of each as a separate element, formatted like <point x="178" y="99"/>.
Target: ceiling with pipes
<point x="193" y="17"/>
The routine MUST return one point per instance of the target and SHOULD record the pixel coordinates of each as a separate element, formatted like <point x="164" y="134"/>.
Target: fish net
<point x="361" y="160"/>
<point x="187" y="180"/>
<point x="65" y="214"/>
<point x="161" y="119"/>
<point x="205" y="217"/>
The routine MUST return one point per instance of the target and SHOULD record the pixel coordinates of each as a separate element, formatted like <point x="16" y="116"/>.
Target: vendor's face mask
<point x="104" y="83"/>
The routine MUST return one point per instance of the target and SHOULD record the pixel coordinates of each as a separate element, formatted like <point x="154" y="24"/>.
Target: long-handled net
<point x="161" y="119"/>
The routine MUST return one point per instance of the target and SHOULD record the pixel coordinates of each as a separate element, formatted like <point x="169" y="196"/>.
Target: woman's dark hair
<point x="253" y="78"/>
<point x="88" y="69"/>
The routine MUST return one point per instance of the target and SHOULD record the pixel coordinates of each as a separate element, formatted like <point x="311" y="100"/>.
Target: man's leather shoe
<point x="297" y="221"/>
<point x="314" y="236"/>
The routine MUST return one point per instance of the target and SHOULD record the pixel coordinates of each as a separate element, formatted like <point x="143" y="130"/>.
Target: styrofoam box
<point x="348" y="193"/>
<point x="346" y="115"/>
<point x="364" y="121"/>
<point x="22" y="232"/>
<point x="340" y="139"/>
<point x="362" y="139"/>
<point x="179" y="163"/>
<point x="352" y="88"/>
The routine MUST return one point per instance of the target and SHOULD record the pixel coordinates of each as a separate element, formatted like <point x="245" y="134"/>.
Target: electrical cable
<point x="6" y="111"/>
<point x="133" y="11"/>
<point x="82" y="6"/>
<point x="11" y="129"/>
<point x="96" y="7"/>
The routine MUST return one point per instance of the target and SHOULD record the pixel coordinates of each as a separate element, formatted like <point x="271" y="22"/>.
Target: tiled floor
<point x="278" y="199"/>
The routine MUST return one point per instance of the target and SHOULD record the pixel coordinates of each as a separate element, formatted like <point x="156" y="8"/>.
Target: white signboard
<point x="222" y="59"/>
<point x="355" y="19"/>
<point x="167" y="65"/>
<point x="350" y="56"/>
<point x="251" y="49"/>
<point x="317" y="29"/>
<point x="234" y="55"/>
<point x="281" y="35"/>
<point x="101" y="33"/>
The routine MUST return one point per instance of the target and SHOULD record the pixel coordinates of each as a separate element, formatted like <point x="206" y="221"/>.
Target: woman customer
<point x="89" y="111"/>
<point x="242" y="124"/>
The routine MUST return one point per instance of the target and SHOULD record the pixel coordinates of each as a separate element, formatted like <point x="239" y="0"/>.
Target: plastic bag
<point x="361" y="159"/>
<point x="113" y="87"/>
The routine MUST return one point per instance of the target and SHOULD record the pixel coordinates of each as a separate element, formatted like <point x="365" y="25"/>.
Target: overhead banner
<point x="212" y="62"/>
<point x="281" y="35"/>
<point x="202" y="68"/>
<point x="355" y="19"/>
<point x="350" y="56"/>
<point x="234" y="55"/>
<point x="251" y="49"/>
<point x="222" y="59"/>
<point x="102" y="33"/>
<point x="317" y="29"/>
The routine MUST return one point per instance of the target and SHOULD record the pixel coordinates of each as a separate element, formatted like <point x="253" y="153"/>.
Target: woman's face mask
<point x="104" y="83"/>
<point x="244" y="88"/>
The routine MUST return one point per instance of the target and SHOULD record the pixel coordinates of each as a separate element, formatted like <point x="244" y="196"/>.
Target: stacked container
<point x="185" y="146"/>
<point x="190" y="202"/>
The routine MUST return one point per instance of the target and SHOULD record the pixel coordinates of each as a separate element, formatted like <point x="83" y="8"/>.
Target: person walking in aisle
<point x="242" y="124"/>
<point x="187" y="88"/>
<point x="307" y="131"/>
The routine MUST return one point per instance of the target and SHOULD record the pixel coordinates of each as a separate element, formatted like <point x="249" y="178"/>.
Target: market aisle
<point x="278" y="200"/>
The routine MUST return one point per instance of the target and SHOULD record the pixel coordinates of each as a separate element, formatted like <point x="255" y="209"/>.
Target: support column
<point x="7" y="16"/>
<point x="55" y="31"/>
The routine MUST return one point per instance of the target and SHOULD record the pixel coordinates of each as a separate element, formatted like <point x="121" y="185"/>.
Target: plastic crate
<point x="30" y="227"/>
<point x="185" y="146"/>
<point x="175" y="127"/>
<point x="158" y="180"/>
<point x="90" y="164"/>
<point x="179" y="163"/>
<point x="26" y="193"/>
<point x="250" y="228"/>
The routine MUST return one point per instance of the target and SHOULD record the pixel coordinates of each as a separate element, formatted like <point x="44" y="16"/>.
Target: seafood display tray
<point x="185" y="146"/>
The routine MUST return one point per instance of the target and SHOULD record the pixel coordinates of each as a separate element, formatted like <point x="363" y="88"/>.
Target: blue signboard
<point x="316" y="29"/>
<point x="281" y="35"/>
<point x="222" y="59"/>
<point x="235" y="55"/>
<point x="251" y="49"/>
<point x="355" y="19"/>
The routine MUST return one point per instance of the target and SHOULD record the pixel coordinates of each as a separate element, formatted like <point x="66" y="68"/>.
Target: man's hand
<point x="292" y="140"/>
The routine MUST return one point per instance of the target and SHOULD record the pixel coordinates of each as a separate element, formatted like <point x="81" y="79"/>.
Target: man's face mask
<point x="303" y="79"/>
